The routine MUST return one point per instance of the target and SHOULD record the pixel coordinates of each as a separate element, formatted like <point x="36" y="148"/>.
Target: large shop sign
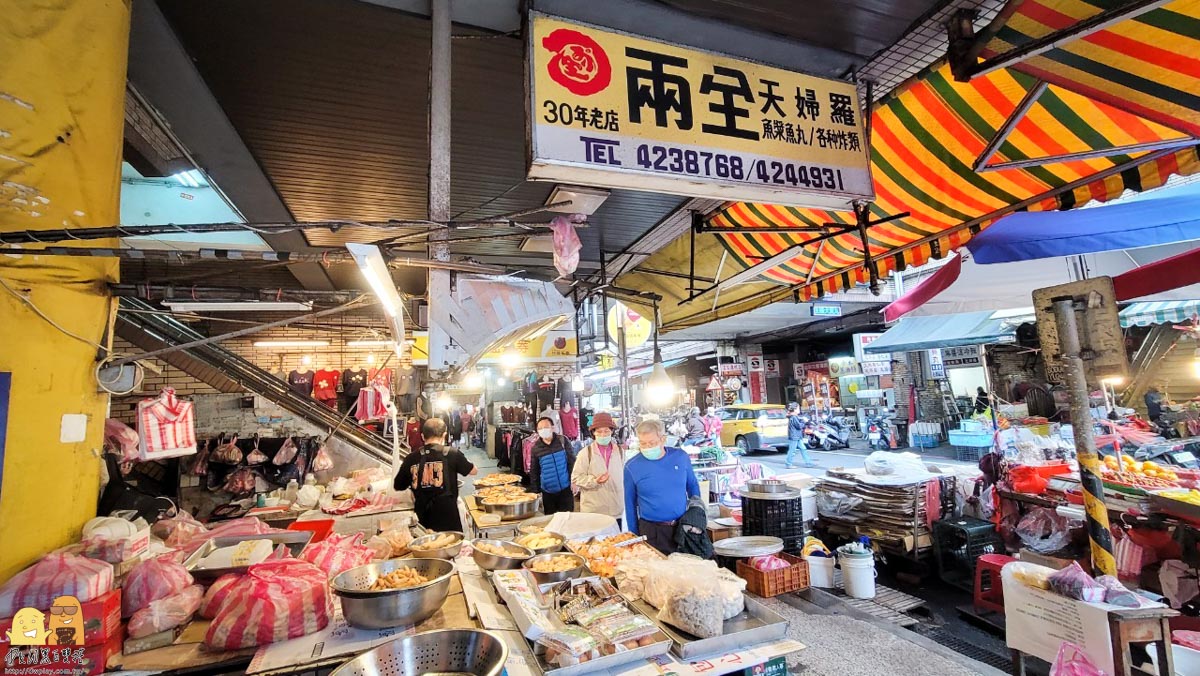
<point x="962" y="357"/>
<point x="872" y="364"/>
<point x="620" y="111"/>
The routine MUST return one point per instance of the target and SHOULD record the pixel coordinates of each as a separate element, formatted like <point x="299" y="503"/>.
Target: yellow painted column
<point x="62" y="83"/>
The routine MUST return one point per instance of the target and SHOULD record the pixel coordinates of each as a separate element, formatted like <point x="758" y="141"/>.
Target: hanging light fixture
<point x="660" y="390"/>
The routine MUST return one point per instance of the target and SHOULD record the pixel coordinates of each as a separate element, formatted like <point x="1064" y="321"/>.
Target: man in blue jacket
<point x="550" y="469"/>
<point x="658" y="483"/>
<point x="796" y="440"/>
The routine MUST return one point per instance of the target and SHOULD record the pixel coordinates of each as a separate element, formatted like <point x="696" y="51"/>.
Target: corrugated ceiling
<point x="337" y="116"/>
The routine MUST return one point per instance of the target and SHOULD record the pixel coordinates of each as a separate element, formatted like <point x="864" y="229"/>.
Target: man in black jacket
<point x="550" y="468"/>
<point x="433" y="475"/>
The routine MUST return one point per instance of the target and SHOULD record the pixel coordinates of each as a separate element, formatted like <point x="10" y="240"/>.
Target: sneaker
<point x="810" y="464"/>
<point x="789" y="467"/>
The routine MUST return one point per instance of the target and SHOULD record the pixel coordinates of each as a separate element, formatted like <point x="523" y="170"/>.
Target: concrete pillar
<point x="62" y="82"/>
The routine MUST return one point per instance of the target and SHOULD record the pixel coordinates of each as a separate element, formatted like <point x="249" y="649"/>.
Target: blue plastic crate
<point x="926" y="440"/>
<point x="971" y="439"/>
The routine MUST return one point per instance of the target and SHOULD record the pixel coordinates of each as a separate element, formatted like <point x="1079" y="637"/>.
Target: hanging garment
<point x="372" y="403"/>
<point x="353" y="382"/>
<point x="381" y="377"/>
<point x="301" y="382"/>
<point x="166" y="427"/>
<point x="325" y="384"/>
<point x="566" y="243"/>
<point x="406" y="380"/>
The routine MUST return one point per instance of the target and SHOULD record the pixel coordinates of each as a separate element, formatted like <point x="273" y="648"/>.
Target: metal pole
<point x="1103" y="562"/>
<point x="439" y="169"/>
<point x="623" y="381"/>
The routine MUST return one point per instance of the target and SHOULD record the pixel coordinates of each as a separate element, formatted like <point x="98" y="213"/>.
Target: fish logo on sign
<point x="579" y="63"/>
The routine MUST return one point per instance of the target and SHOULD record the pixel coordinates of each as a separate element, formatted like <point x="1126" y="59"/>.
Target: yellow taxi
<point x="755" y="427"/>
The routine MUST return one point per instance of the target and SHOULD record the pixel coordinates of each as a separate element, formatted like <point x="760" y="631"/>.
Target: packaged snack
<point x="591" y="616"/>
<point x="569" y="645"/>
<point x="620" y="628"/>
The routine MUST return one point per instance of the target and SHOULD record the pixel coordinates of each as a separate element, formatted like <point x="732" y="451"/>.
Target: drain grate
<point x="942" y="636"/>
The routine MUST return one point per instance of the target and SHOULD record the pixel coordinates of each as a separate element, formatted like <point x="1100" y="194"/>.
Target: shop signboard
<point x="799" y="369"/>
<point x="772" y="367"/>
<point x="758" y="387"/>
<point x="615" y="110"/>
<point x="755" y="363"/>
<point x="937" y="370"/>
<point x="962" y="357"/>
<point x="840" y="368"/>
<point x="727" y="369"/>
<point x="637" y="327"/>
<point x="871" y="364"/>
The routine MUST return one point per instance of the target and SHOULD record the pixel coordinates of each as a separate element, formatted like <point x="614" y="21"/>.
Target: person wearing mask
<point x="713" y="426"/>
<point x="1154" y="403"/>
<point x="796" y="441"/>
<point x="599" y="472"/>
<point x="695" y="428"/>
<point x="658" y="483"/>
<point x="982" y="402"/>
<point x="432" y="475"/>
<point x="550" y="469"/>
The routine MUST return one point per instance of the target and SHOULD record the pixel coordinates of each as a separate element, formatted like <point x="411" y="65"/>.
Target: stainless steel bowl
<point x="548" y="549"/>
<point x="443" y="553"/>
<point x="444" y="651"/>
<point x="512" y="511"/>
<point x="768" y="486"/>
<point x="489" y="561"/>
<point x="368" y="609"/>
<point x="490" y="481"/>
<point x="543" y="578"/>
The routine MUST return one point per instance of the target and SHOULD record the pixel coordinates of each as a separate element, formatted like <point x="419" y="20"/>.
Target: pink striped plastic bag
<point x="166" y="613"/>
<point x="218" y="594"/>
<point x="151" y="580"/>
<point x="275" y="601"/>
<point x="338" y="553"/>
<point x="56" y="574"/>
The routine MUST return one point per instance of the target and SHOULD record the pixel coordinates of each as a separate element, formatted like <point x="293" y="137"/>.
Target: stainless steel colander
<point x="473" y="652"/>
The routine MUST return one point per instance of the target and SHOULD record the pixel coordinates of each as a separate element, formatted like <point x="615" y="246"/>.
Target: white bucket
<point x="820" y="571"/>
<point x="858" y="573"/>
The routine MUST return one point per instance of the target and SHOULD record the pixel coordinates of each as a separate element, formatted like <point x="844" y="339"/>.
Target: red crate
<point x="768" y="583"/>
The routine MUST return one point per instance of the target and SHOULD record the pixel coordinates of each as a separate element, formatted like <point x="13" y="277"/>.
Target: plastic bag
<point x="766" y="563"/>
<point x="227" y="453"/>
<point x="836" y="503"/>
<point x="151" y="580"/>
<point x="286" y="453"/>
<point x="164" y="528"/>
<point x="1186" y="638"/>
<point x="56" y="574"/>
<point x="399" y="539"/>
<point x="1074" y="582"/>
<point x="1118" y="594"/>
<point x="240" y="482"/>
<point x="889" y="463"/>
<point x="1025" y="479"/>
<point x="566" y="243"/>
<point x="338" y="553"/>
<point x="166" y="613"/>
<point x="321" y="462"/>
<point x="382" y="548"/>
<point x="256" y="457"/>
<point x="308" y="496"/>
<point x="199" y="466"/>
<point x="1044" y="531"/>
<point x="274" y="601"/>
<point x="218" y="594"/>
<point x="693" y="605"/>
<point x="1072" y="661"/>
<point x="121" y="439"/>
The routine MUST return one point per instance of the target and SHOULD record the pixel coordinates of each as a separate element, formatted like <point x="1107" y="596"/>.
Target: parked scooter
<point x="831" y="435"/>
<point x="879" y="432"/>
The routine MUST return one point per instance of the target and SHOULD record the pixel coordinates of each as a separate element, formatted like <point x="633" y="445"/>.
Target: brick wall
<point x="1009" y="365"/>
<point x="159" y="374"/>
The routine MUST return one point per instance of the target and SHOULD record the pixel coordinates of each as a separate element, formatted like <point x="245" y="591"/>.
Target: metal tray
<point x="659" y="647"/>
<point x="756" y="624"/>
<point x="295" y="541"/>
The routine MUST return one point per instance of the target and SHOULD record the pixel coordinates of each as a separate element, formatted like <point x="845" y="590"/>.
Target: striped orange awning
<point x="925" y="140"/>
<point x="1148" y="65"/>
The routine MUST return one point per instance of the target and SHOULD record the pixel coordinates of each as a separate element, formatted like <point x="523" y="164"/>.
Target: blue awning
<point x="928" y="333"/>
<point x="1161" y="216"/>
<point x="1164" y="312"/>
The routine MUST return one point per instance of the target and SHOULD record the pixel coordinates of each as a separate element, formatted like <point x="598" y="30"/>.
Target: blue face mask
<point x="654" y="452"/>
<point x="604" y="441"/>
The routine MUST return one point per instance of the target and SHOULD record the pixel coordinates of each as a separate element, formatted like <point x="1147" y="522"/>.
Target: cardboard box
<point x="101" y="618"/>
<point x="1030" y="556"/>
<point x="730" y="511"/>
<point x="154" y="641"/>
<point x="717" y="532"/>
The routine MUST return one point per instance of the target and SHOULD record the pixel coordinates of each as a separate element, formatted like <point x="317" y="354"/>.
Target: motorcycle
<point x="831" y="435"/>
<point x="879" y="432"/>
<point x="1171" y="453"/>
